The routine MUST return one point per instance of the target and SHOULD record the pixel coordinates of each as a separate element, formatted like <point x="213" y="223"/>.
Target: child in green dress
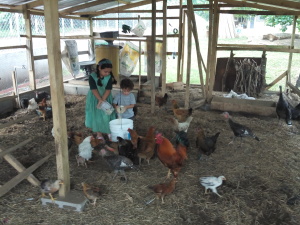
<point x="100" y="83"/>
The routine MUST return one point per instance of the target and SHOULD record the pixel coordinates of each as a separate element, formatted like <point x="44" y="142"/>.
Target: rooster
<point x="180" y="113"/>
<point x="184" y="126"/>
<point x="117" y="162"/>
<point x="163" y="189"/>
<point x="283" y="110"/>
<point x="171" y="157"/>
<point x="206" y="145"/>
<point x="238" y="129"/>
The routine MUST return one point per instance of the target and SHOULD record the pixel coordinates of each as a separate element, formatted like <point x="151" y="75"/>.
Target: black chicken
<point x="39" y="96"/>
<point x="126" y="29"/>
<point x="283" y="109"/>
<point x="206" y="145"/>
<point x="238" y="129"/>
<point x="117" y="162"/>
<point x="295" y="112"/>
<point x="125" y="148"/>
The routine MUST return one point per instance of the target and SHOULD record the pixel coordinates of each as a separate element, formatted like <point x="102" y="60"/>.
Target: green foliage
<point x="283" y="21"/>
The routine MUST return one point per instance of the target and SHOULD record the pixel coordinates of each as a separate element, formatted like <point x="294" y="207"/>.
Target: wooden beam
<point x="140" y="11"/>
<point x="259" y="49"/>
<point x="34" y="4"/>
<point x="4" y="152"/>
<point x="82" y="6"/>
<point x="200" y="6"/>
<point x="296" y="90"/>
<point x="116" y="9"/>
<point x="288" y="78"/>
<point x="151" y="54"/>
<point x="189" y="54"/>
<point x="57" y="93"/>
<point x="254" y="46"/>
<point x="13" y="47"/>
<point x="252" y="12"/>
<point x="135" y="18"/>
<point x="20" y="168"/>
<point x="257" y="6"/>
<point x="180" y="44"/>
<point x="164" y="49"/>
<point x="210" y="30"/>
<point x="276" y="80"/>
<point x="280" y="3"/>
<point x="7" y="98"/>
<point x="213" y="52"/>
<point x="17" y="179"/>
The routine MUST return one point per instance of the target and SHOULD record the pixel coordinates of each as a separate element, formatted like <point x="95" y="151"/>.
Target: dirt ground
<point x="260" y="176"/>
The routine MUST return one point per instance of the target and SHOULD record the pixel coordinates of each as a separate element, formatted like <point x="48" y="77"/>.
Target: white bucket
<point x="119" y="127"/>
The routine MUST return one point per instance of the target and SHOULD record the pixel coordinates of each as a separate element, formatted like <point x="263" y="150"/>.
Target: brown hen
<point x="180" y="113"/>
<point x="164" y="189"/>
<point x="91" y="192"/>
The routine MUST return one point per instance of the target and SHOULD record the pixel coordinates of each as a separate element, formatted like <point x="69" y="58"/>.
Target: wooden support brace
<point x="296" y="90"/>
<point x="17" y="179"/>
<point x="276" y="80"/>
<point x="3" y="153"/>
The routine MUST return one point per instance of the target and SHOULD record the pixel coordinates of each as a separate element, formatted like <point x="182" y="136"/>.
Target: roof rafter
<point x="83" y="6"/>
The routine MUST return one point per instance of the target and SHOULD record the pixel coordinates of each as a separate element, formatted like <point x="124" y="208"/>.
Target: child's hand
<point x="99" y="103"/>
<point x="121" y="109"/>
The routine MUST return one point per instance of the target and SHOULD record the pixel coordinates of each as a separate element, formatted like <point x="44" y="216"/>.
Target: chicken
<point x="42" y="109"/>
<point x="212" y="183"/>
<point x="75" y="137"/>
<point x="160" y="101"/>
<point x="184" y="126"/>
<point x="91" y="192"/>
<point x="134" y="137"/>
<point x="81" y="161"/>
<point x="146" y="146"/>
<point x="171" y="157"/>
<point x="163" y="189"/>
<point x="238" y="129"/>
<point x="117" y="162"/>
<point x="125" y="148"/>
<point x="50" y="187"/>
<point x="206" y="145"/>
<point x="32" y="104"/>
<point x="85" y="148"/>
<point x="283" y="109"/>
<point x="180" y="113"/>
<point x="295" y="112"/>
<point x="41" y="95"/>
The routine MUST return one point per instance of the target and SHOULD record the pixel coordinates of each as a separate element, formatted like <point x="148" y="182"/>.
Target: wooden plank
<point x="134" y="18"/>
<point x="276" y="80"/>
<point x="82" y="6"/>
<point x="57" y="91"/>
<point x="296" y="90"/>
<point x="15" y="87"/>
<point x="258" y="107"/>
<point x="288" y="78"/>
<point x="8" y="98"/>
<point x="180" y="44"/>
<point x="4" y="152"/>
<point x="252" y="12"/>
<point x="13" y="47"/>
<point x="20" y="168"/>
<point x="254" y="46"/>
<point x="19" y="120"/>
<point x="20" y="177"/>
<point x="151" y="54"/>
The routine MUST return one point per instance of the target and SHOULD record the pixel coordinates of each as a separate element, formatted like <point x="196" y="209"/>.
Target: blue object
<point x="128" y="136"/>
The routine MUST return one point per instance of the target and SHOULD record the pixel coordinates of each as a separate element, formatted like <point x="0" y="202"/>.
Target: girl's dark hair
<point x="103" y="64"/>
<point x="126" y="83"/>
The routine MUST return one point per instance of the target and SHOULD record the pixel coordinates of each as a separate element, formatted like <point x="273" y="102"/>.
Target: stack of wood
<point x="249" y="77"/>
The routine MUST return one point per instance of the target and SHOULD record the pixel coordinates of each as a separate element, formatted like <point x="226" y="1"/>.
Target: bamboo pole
<point x="151" y="54"/>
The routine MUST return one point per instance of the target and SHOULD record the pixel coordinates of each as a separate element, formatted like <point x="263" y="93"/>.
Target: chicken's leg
<point x="53" y="199"/>
<point x="214" y="190"/>
<point x="169" y="173"/>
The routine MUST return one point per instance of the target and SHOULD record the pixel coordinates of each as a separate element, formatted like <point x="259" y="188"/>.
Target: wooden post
<point x="180" y="45"/>
<point x="182" y="54"/>
<point x="213" y="51"/>
<point x="210" y="30"/>
<point x="92" y="40"/>
<point x="288" y="78"/>
<point x="164" y="50"/>
<point x="140" y="64"/>
<point x="15" y="87"/>
<point x="199" y="56"/>
<point x="57" y="93"/>
<point x="151" y="53"/>
<point x="29" y="49"/>
<point x="188" y="64"/>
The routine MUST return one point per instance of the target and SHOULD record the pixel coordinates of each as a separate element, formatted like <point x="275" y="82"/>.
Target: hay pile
<point x="261" y="176"/>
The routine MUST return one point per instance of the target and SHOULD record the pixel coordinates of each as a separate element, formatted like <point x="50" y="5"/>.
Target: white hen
<point x="212" y="183"/>
<point x="32" y="104"/>
<point x="184" y="126"/>
<point x="85" y="148"/>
